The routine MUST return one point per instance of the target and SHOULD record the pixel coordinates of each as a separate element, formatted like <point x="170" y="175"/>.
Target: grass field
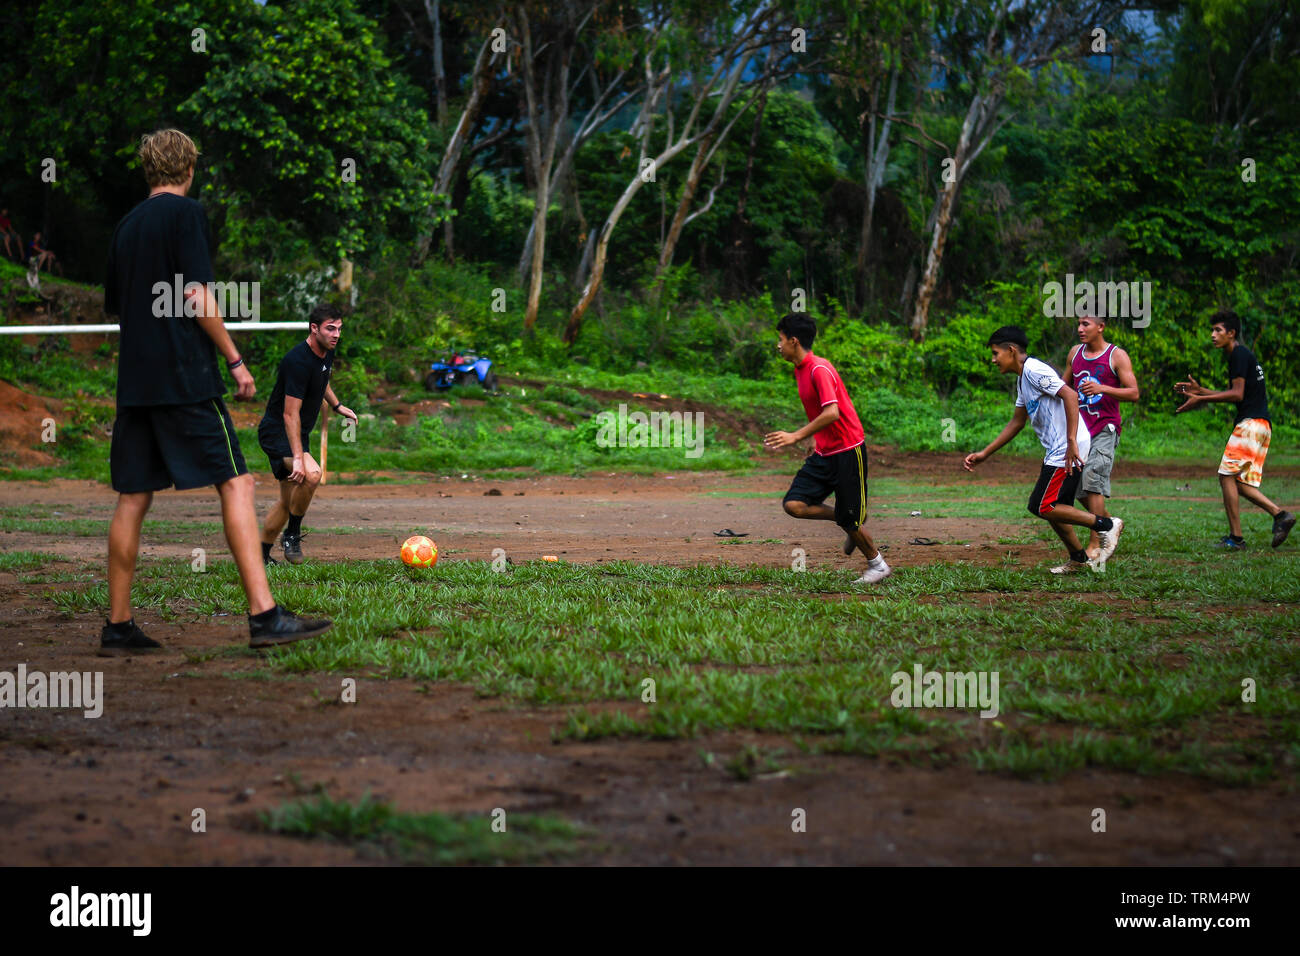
<point x="1137" y="669"/>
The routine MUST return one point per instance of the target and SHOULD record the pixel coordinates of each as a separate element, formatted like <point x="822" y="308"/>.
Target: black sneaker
<point x="292" y="547"/>
<point x="1282" y="525"/>
<point x="268" y="560"/>
<point x="283" y="627"/>
<point x="114" y="642"/>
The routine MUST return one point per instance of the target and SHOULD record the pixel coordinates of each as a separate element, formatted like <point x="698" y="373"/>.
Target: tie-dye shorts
<point x="1246" y="451"/>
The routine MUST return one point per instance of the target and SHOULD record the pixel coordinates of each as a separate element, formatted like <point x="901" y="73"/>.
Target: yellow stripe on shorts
<point x="862" y="486"/>
<point x="229" y="450"/>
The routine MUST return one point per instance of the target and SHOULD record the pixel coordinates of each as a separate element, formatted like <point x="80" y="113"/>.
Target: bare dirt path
<point x="657" y="519"/>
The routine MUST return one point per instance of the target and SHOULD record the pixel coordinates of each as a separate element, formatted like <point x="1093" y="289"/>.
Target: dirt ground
<point x="181" y="735"/>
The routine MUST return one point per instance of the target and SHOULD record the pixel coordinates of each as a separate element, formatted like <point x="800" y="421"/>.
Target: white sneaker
<point x="877" y="570"/>
<point x="1070" y="567"/>
<point x="1109" y="541"/>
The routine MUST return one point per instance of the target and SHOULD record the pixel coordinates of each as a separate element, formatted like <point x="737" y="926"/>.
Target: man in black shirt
<point x="1242" y="466"/>
<point x="172" y="426"/>
<point x="285" y="430"/>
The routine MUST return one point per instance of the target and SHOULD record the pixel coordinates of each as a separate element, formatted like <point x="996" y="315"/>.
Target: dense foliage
<point x="1172" y="158"/>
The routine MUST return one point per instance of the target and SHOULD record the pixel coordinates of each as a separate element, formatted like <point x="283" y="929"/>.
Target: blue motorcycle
<point x="459" y="368"/>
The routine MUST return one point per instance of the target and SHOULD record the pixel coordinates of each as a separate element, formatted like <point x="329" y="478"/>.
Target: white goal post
<point x="101" y="329"/>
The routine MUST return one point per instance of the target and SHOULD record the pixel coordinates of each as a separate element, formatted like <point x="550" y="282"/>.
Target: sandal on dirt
<point x="923" y="541"/>
<point x="728" y="533"/>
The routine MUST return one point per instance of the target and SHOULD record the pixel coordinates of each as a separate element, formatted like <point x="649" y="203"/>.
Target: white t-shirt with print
<point x="1036" y="393"/>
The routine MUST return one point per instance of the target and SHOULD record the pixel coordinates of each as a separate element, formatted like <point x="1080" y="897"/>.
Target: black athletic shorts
<point x="275" y="443"/>
<point x="189" y="446"/>
<point x="1055" y="486"/>
<point x="843" y="475"/>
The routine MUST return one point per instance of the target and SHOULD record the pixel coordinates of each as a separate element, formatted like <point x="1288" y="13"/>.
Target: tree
<point x="66" y="66"/>
<point x="878" y="49"/>
<point x="1237" y="64"/>
<point x="492" y="52"/>
<point x="715" y="69"/>
<point x="547" y="109"/>
<point x="304" y="124"/>
<point x="990" y="51"/>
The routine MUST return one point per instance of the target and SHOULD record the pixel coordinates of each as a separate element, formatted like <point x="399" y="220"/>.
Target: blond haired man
<point x="172" y="426"/>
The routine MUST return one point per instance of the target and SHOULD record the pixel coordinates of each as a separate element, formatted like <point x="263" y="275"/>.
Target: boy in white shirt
<point x="1043" y="398"/>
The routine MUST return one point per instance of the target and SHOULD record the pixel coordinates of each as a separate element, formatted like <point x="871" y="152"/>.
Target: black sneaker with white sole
<point x="282" y="626"/>
<point x="292" y="544"/>
<point x="1282" y="525"/>
<point x="126" y="639"/>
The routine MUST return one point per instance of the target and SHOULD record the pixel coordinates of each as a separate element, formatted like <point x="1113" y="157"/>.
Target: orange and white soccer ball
<point x="419" y="551"/>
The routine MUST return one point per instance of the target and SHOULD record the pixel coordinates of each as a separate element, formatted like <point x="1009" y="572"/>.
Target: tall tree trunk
<point x="977" y="130"/>
<point x="693" y="177"/>
<point x="431" y="9"/>
<point x="541" y="154"/>
<point x="701" y="161"/>
<point x="600" y="248"/>
<point x="480" y="83"/>
<point x="736" y="254"/>
<point x="739" y="53"/>
<point x="596" y="118"/>
<point x="877" y="157"/>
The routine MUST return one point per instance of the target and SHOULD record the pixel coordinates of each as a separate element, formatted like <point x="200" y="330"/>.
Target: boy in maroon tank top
<point x="1103" y="376"/>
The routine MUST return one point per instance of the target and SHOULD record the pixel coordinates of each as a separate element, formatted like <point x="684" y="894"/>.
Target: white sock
<point x="878" y="561"/>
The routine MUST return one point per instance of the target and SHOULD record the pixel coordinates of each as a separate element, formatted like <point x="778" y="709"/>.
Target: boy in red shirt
<point x="838" y="464"/>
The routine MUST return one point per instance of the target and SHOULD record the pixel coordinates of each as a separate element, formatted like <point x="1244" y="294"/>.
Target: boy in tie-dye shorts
<point x="1242" y="466"/>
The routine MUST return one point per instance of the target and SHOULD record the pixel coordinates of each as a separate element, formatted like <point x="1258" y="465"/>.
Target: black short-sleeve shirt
<point x="1254" y="400"/>
<point x="164" y="356"/>
<point x="303" y="374"/>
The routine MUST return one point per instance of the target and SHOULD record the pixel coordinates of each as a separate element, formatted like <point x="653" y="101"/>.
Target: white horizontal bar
<point x="70" y="329"/>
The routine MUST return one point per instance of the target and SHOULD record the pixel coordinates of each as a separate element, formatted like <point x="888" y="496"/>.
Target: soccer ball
<point x="419" y="552"/>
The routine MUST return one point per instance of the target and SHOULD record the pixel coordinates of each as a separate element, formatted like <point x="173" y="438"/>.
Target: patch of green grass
<point x="433" y="839"/>
<point x="517" y="428"/>
<point x="76" y="527"/>
<point x="26" y="560"/>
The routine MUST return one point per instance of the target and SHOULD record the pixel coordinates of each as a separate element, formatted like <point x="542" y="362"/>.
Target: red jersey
<point x="819" y="385"/>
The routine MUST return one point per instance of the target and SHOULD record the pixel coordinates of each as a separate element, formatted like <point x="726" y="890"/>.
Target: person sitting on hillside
<point x="13" y="242"/>
<point x="42" y="254"/>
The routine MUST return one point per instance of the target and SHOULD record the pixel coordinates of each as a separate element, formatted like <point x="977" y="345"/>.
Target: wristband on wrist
<point x="336" y="406"/>
<point x="235" y="364"/>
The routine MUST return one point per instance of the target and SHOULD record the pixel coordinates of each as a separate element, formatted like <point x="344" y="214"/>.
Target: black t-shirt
<point x="1254" y="400"/>
<point x="303" y="374"/>
<point x="165" y="357"/>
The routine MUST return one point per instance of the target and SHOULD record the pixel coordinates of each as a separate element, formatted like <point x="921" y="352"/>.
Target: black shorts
<point x="189" y="446"/>
<point x="275" y="443"/>
<point x="1055" y="486"/>
<point x="843" y="475"/>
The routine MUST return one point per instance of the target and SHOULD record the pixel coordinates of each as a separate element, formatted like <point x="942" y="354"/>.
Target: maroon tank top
<point x="1097" y="411"/>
